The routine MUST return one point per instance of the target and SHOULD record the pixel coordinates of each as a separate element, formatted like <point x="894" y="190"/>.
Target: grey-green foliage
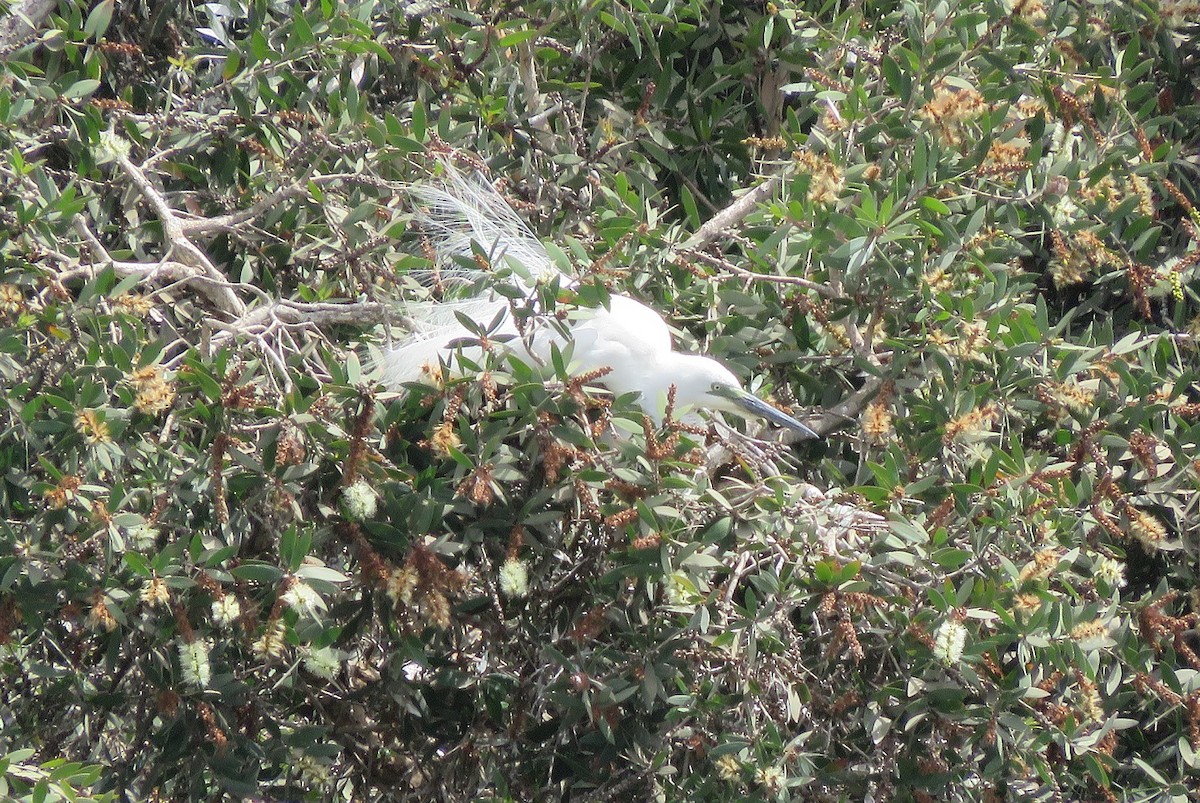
<point x="232" y="567"/>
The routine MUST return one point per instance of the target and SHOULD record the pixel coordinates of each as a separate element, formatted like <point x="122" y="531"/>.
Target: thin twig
<point x="365" y="313"/>
<point x="728" y="267"/>
<point x="226" y="223"/>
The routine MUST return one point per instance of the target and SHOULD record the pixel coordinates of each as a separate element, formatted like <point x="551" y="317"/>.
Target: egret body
<point x="628" y="337"/>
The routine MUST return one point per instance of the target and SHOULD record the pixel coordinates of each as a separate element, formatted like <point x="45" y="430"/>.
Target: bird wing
<point x="629" y="325"/>
<point x="627" y="336"/>
<point x="462" y="214"/>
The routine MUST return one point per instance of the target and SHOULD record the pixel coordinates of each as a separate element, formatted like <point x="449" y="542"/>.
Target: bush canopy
<point x="958" y="238"/>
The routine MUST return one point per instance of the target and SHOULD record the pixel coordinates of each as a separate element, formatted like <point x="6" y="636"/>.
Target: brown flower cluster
<point x="423" y="586"/>
<point x="478" y="486"/>
<point x="971" y="340"/>
<point x="825" y="179"/>
<point x="1067" y="397"/>
<point x="1031" y="11"/>
<point x="92" y="427"/>
<point x="878" y="417"/>
<point x="63" y="492"/>
<point x="1076" y="255"/>
<point x="950" y="110"/>
<point x="877" y="422"/>
<point x="975" y="422"/>
<point x="1179" y="13"/>
<point x="154" y="392"/>
<point x="1006" y="159"/>
<point x="12" y="299"/>
<point x="134" y="305"/>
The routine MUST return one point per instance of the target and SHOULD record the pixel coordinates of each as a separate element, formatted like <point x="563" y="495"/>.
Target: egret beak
<point x="757" y="407"/>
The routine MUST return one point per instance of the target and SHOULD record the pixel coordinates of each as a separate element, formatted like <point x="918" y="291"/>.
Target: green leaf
<point x="517" y="37"/>
<point x="233" y="63"/>
<point x="689" y="207"/>
<point x="81" y="89"/>
<point x="138" y="564"/>
<point x="934" y="205"/>
<point x="302" y="33"/>
<point x="259" y="47"/>
<point x="257" y="571"/>
<point x="898" y="80"/>
<point x="98" y="19"/>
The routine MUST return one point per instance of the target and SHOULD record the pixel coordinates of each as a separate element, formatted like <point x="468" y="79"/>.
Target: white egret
<point x="627" y="337"/>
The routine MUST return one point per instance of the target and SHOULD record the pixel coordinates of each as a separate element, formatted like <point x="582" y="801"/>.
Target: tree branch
<point x="733" y="214"/>
<point x="216" y="290"/>
<point x="190" y="256"/>
<point x="364" y="313"/>
<point x="24" y="18"/>
<point x="845" y="411"/>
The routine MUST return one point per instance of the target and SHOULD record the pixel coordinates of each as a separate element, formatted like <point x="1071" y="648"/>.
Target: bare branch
<point x="842" y="413"/>
<point x="363" y="313"/>
<point x="24" y="18"/>
<point x="224" y="223"/>
<point x="366" y="313"/>
<point x="733" y="214"/>
<point x="167" y="270"/>
<point x="190" y="256"/>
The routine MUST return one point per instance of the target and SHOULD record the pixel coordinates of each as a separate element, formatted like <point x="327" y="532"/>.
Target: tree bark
<point x="24" y="18"/>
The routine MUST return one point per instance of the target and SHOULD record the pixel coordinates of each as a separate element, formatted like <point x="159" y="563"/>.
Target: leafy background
<point x="233" y="566"/>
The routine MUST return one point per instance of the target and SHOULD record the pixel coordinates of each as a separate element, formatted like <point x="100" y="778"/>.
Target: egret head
<point x="706" y="384"/>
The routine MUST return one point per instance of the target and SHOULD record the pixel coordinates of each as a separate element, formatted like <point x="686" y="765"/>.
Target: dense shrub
<point x="233" y="565"/>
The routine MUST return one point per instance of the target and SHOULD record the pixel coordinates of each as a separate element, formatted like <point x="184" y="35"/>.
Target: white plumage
<point x="628" y="337"/>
